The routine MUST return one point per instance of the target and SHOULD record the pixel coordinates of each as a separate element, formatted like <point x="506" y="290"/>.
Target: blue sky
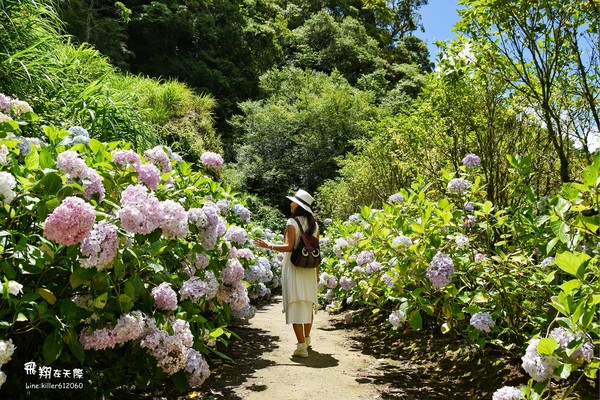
<point x="438" y="18"/>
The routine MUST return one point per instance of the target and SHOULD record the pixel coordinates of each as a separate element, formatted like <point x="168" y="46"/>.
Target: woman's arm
<point x="287" y="247"/>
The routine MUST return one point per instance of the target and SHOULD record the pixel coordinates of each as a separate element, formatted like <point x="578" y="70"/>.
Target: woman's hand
<point x="261" y="243"/>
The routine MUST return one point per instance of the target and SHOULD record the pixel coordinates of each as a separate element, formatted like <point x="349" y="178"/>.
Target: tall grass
<point x="76" y="84"/>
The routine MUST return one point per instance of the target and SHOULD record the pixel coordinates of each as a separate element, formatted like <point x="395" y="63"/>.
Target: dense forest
<point x="319" y="94"/>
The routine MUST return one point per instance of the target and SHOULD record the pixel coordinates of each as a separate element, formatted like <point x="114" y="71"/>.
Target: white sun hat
<point x="303" y="199"/>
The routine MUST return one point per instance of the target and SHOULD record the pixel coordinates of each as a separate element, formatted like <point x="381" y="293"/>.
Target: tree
<point x="291" y="137"/>
<point x="537" y="47"/>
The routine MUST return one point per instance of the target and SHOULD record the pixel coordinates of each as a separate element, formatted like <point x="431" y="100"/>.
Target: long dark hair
<point x="312" y="223"/>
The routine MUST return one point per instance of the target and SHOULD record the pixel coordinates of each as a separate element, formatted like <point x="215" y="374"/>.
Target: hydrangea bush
<point x="524" y="278"/>
<point x="108" y="255"/>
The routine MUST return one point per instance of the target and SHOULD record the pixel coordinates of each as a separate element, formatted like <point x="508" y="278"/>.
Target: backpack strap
<point x="300" y="225"/>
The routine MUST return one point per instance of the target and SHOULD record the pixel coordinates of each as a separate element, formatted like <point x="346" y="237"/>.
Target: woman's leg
<point x="299" y="331"/>
<point x="307" y="328"/>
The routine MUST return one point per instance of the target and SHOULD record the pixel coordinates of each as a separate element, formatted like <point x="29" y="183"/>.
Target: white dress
<point x="299" y="285"/>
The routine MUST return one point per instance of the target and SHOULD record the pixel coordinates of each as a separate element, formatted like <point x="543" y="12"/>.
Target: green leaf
<point x="50" y="184"/>
<point x="560" y="229"/>
<point x="53" y="346"/>
<point x="564" y="370"/>
<point x="217" y="333"/>
<point x="546" y="346"/>
<point x="100" y="301"/>
<point x="415" y="320"/>
<point x="32" y="160"/>
<point x="81" y="276"/>
<point x="572" y="263"/>
<point x="571" y="285"/>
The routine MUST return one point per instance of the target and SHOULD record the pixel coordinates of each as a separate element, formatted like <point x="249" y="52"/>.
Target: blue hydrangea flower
<point x="482" y="322"/>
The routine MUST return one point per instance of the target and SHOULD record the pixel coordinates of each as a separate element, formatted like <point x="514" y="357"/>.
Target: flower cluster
<point x="233" y="273"/>
<point x="77" y="134"/>
<point x="458" y="186"/>
<point x="471" y="160"/>
<point x="563" y="337"/>
<point x="242" y="212"/>
<point x="209" y="223"/>
<point x="462" y="241"/>
<point x="346" y="283"/>
<point x="174" y="221"/>
<point x="396" y="198"/>
<point x="260" y="271"/>
<point x="507" y="393"/>
<point x="402" y="240"/>
<point x="197" y="367"/>
<point x="100" y="246"/>
<point x="236" y="234"/>
<point x="160" y="158"/>
<point x="397" y="317"/>
<point x="170" y="351"/>
<point x="440" y="270"/>
<point x="7" y="348"/>
<point x="539" y="367"/>
<point x="126" y="157"/>
<point x="140" y="211"/>
<point x="7" y="184"/>
<point x="482" y="322"/>
<point x="71" y="222"/>
<point x="13" y="106"/>
<point x="365" y="257"/>
<point x="165" y="297"/>
<point x="69" y="163"/>
<point x="328" y="281"/>
<point x="211" y="159"/>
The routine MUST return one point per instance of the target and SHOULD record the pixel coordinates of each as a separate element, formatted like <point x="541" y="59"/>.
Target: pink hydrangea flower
<point x="211" y="159"/>
<point x="165" y="297"/>
<point x="174" y="222"/>
<point x="69" y="163"/>
<point x="125" y="157"/>
<point x="70" y="222"/>
<point x="159" y="157"/>
<point x="148" y="174"/>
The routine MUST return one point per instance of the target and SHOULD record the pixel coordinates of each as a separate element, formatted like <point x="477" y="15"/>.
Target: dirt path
<point x="265" y="368"/>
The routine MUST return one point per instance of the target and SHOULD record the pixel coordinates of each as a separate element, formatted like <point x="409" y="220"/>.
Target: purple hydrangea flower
<point x="397" y="317"/>
<point x="458" y="186"/>
<point x="165" y="297"/>
<point x="396" y="198"/>
<point x="471" y="160"/>
<point x="101" y="246"/>
<point x="539" y="367"/>
<point x="440" y="270"/>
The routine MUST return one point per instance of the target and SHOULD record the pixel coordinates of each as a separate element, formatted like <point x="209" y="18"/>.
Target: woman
<point x="299" y="285"/>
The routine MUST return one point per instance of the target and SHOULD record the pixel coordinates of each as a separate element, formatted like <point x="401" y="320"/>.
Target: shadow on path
<point x="246" y="354"/>
<point x="316" y="360"/>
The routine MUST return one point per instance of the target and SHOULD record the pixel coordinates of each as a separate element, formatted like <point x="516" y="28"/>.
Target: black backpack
<point x="308" y="252"/>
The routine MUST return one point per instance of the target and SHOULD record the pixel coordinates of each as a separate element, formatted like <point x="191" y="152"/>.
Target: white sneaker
<point x="307" y="341"/>
<point x="301" y="350"/>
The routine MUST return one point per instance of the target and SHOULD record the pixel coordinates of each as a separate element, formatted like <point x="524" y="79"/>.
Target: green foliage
<point x="531" y="268"/>
<point x="58" y="301"/>
<point x="292" y="137"/>
<point x="77" y="86"/>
